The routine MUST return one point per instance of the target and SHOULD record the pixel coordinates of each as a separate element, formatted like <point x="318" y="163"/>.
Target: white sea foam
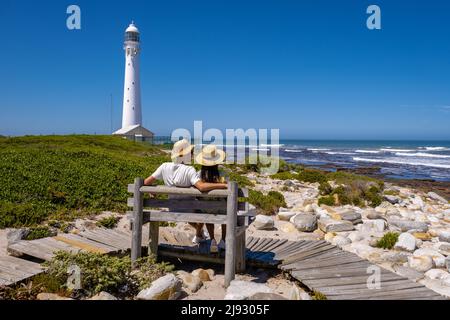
<point x="271" y="145"/>
<point x="397" y="150"/>
<point x="317" y="149"/>
<point x="260" y="149"/>
<point x="367" y="151"/>
<point x="293" y="150"/>
<point x="404" y="161"/>
<point x="435" y="148"/>
<point x="423" y="155"/>
<point x="344" y="153"/>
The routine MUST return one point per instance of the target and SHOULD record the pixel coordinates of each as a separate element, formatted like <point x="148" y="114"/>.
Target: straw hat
<point x="181" y="148"/>
<point x="210" y="156"/>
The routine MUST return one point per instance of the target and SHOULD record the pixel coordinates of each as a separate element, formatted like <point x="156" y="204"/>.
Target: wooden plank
<point x="85" y="244"/>
<point x="184" y="191"/>
<point x="191" y="256"/>
<point x="153" y="238"/>
<point x="183" y="204"/>
<point x="318" y="251"/>
<point x="28" y="248"/>
<point x="344" y="280"/>
<point x="169" y="216"/>
<point x="58" y="245"/>
<point x="21" y="263"/>
<point x="327" y="263"/>
<point x="119" y="244"/>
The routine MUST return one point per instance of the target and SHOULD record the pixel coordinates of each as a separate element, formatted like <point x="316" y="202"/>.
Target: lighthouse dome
<point x="132" y="28"/>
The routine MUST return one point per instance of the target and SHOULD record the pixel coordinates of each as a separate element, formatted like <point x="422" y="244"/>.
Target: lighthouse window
<point x="133" y="82"/>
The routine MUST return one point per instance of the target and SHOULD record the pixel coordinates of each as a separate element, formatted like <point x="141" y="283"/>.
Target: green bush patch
<point x="108" y="222"/>
<point x="388" y="240"/>
<point x="266" y="204"/>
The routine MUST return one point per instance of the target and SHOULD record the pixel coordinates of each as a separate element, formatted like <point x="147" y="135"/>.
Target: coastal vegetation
<point x="64" y="177"/>
<point x="388" y="240"/>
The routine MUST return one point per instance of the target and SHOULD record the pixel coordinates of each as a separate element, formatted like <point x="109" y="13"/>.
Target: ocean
<point x="396" y="159"/>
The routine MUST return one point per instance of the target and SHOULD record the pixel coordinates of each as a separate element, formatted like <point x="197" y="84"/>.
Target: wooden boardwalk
<point x="318" y="265"/>
<point x="337" y="274"/>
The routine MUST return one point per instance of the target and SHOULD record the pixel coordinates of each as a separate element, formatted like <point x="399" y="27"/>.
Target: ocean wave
<point x="423" y="155"/>
<point x="435" y="148"/>
<point x="399" y="161"/>
<point x="397" y="150"/>
<point x="317" y="149"/>
<point x="367" y="151"/>
<point x="293" y="150"/>
<point x="271" y="145"/>
<point x="343" y="153"/>
<point x="260" y="149"/>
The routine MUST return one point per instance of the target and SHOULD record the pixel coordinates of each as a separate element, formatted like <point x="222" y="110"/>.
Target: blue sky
<point x="310" y="68"/>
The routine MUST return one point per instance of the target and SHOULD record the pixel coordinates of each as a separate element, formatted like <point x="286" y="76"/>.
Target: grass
<point x="388" y="240"/>
<point x="65" y="177"/>
<point x="108" y="222"/>
<point x="39" y="232"/>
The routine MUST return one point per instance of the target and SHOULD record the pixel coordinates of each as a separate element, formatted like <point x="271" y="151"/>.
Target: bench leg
<point x="240" y="252"/>
<point x="136" y="237"/>
<point x="153" y="238"/>
<point x="230" y="240"/>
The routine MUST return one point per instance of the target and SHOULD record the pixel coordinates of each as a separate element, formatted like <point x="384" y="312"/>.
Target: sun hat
<point x="210" y="156"/>
<point x="181" y="148"/>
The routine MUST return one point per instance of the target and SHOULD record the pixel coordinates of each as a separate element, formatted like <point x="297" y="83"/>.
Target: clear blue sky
<point x="310" y="68"/>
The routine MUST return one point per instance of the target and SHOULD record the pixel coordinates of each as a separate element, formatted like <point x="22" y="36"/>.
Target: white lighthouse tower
<point x="132" y="109"/>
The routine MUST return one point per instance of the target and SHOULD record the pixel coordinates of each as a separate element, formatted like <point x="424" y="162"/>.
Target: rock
<point x="50" y="296"/>
<point x="103" y="296"/>
<point x="447" y="263"/>
<point x="241" y="290"/>
<point x="438" y="259"/>
<point x="304" y="222"/>
<point x="203" y="274"/>
<point x="406" y="242"/>
<point x="395" y="257"/>
<point x="437" y="274"/>
<point x="355" y="236"/>
<point x="266" y="296"/>
<point x="352" y="216"/>
<point x="373" y="215"/>
<point x="341" y="241"/>
<point x="309" y="209"/>
<point x="444" y="236"/>
<point x="424" y="236"/>
<point x="378" y="225"/>
<point x="406" y="225"/>
<point x="330" y="225"/>
<point x="287" y="228"/>
<point x="263" y="222"/>
<point x="438" y="286"/>
<point x="420" y="263"/>
<point x="286" y="215"/>
<point x="391" y="199"/>
<point x="437" y="197"/>
<point x="407" y="272"/>
<point x="15" y="235"/>
<point x="191" y="282"/>
<point x="165" y="288"/>
<point x="444" y="248"/>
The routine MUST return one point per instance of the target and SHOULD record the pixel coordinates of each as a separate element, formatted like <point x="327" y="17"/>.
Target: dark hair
<point x="210" y="173"/>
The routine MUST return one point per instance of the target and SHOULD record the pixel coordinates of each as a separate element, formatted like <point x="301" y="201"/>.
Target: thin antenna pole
<point x="111" y="113"/>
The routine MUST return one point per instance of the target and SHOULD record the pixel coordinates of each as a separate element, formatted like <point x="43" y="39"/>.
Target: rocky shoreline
<point x="419" y="220"/>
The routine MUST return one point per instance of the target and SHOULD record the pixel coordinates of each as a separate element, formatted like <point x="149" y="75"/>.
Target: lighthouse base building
<point x="132" y="128"/>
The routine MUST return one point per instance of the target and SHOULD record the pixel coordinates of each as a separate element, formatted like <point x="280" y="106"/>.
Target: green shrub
<point x="316" y="295"/>
<point x="66" y="177"/>
<point x="241" y="180"/>
<point x="388" y="240"/>
<point x="326" y="200"/>
<point x="325" y="188"/>
<point x="311" y="175"/>
<point x="108" y="222"/>
<point x="285" y="175"/>
<point x="266" y="204"/>
<point x="149" y="270"/>
<point x="39" y="233"/>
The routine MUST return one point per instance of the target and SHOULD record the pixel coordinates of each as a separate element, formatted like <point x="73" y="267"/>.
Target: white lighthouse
<point x="132" y="109"/>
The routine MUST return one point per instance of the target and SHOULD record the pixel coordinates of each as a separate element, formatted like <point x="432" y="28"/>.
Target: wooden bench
<point x="192" y="207"/>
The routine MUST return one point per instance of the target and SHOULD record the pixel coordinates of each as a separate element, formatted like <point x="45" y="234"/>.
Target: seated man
<point x="178" y="174"/>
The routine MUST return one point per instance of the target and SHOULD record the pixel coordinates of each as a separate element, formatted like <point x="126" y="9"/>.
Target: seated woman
<point x="210" y="158"/>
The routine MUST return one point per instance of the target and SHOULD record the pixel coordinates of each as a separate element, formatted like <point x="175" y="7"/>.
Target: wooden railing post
<point x="136" y="240"/>
<point x="230" y="239"/>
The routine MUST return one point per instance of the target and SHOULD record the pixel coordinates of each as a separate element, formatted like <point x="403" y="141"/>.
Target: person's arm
<point x="207" y="186"/>
<point x="157" y="175"/>
<point x="149" y="181"/>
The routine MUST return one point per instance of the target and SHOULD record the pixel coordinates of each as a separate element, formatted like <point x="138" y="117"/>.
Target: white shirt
<point x="176" y="175"/>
